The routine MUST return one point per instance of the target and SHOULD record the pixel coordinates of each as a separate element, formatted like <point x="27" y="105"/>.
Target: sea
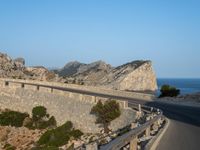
<point x="186" y="86"/>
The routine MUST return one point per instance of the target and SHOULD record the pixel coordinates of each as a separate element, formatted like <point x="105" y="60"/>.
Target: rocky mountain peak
<point x="15" y="68"/>
<point x="130" y="76"/>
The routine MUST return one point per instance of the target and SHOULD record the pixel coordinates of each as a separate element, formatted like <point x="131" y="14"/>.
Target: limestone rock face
<point x="133" y="76"/>
<point x="40" y="73"/>
<point x="8" y="68"/>
<point x="19" y="62"/>
<point x="22" y="138"/>
<point x="75" y="68"/>
<point x="16" y="69"/>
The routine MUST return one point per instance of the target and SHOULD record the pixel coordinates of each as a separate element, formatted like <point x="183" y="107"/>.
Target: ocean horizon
<point x="186" y="85"/>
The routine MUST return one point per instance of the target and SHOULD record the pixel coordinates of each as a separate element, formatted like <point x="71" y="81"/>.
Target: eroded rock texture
<point x="133" y="76"/>
<point x="16" y="68"/>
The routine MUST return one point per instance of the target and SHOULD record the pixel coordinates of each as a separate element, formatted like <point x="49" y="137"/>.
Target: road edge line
<point x="156" y="140"/>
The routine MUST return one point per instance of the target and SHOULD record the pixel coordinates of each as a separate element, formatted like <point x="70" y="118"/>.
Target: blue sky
<point x="53" y="32"/>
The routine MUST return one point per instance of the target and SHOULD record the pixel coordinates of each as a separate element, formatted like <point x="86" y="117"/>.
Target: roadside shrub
<point x="59" y="136"/>
<point x="40" y="119"/>
<point x="56" y="137"/>
<point x="12" y="118"/>
<point x="76" y="133"/>
<point x="106" y="113"/>
<point x="39" y="112"/>
<point x="52" y="122"/>
<point x="169" y="91"/>
<point x="45" y="148"/>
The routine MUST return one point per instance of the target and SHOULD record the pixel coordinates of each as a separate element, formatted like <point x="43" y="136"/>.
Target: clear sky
<point x="53" y="32"/>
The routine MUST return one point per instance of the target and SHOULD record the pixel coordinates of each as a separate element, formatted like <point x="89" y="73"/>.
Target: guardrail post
<point x="147" y="132"/>
<point x="155" y="126"/>
<point x="160" y="121"/>
<point x="133" y="144"/>
<point x="139" y="108"/>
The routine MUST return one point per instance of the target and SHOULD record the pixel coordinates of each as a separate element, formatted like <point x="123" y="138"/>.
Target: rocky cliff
<point x="133" y="76"/>
<point x="16" y="68"/>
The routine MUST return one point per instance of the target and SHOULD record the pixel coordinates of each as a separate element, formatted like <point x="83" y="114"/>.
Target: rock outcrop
<point x="75" y="68"/>
<point x="133" y="76"/>
<point x="21" y="138"/>
<point x="16" y="68"/>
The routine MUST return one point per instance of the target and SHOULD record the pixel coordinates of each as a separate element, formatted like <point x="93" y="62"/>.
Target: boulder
<point x="19" y="62"/>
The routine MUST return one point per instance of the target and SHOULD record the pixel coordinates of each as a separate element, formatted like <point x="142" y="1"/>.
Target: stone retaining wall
<point x="99" y="90"/>
<point x="19" y="95"/>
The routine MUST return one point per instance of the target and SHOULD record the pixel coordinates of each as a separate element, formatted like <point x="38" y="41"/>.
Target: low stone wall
<point x="132" y="95"/>
<point x="64" y="105"/>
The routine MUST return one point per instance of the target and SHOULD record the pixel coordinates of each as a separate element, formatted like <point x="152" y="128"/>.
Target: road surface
<point x="184" y="129"/>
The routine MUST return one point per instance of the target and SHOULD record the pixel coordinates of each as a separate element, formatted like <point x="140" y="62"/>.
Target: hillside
<point x="15" y="68"/>
<point x="132" y="76"/>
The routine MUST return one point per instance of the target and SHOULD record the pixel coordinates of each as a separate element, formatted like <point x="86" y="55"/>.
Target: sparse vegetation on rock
<point x="12" y="118"/>
<point x="132" y="76"/>
<point x="169" y="91"/>
<point x="106" y="113"/>
<point x="45" y="136"/>
<point x="59" y="136"/>
<point x="41" y="119"/>
<point x="9" y="147"/>
<point x="15" y="68"/>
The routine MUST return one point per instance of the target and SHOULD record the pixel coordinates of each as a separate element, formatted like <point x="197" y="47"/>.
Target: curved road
<point x="184" y="129"/>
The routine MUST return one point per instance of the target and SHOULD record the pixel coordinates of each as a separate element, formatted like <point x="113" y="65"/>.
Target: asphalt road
<point x="184" y="129"/>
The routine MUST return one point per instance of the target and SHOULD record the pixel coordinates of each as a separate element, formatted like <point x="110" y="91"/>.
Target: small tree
<point x="39" y="112"/>
<point x="106" y="113"/>
<point x="41" y="119"/>
<point x="169" y="91"/>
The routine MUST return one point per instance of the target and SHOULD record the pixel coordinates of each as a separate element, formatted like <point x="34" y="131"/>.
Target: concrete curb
<point x="156" y="140"/>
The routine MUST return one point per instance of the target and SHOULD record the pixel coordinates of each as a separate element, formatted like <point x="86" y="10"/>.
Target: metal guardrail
<point x="133" y="134"/>
<point x="124" y="95"/>
<point x="123" y="140"/>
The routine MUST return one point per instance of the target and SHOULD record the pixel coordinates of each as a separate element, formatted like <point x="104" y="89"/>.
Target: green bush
<point x="56" y="137"/>
<point x="12" y="118"/>
<point x="40" y="119"/>
<point x="52" y="122"/>
<point x="59" y="136"/>
<point x="105" y="113"/>
<point x="45" y="148"/>
<point x="76" y="133"/>
<point x="169" y="91"/>
<point x="39" y="112"/>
